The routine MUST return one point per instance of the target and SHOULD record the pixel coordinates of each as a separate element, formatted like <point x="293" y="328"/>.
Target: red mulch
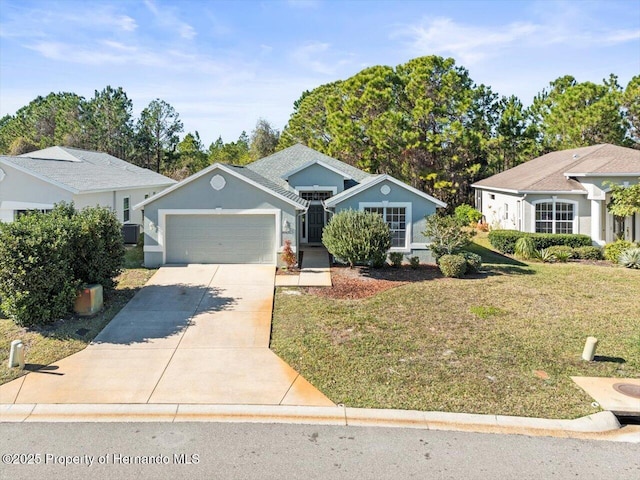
<point x="363" y="282"/>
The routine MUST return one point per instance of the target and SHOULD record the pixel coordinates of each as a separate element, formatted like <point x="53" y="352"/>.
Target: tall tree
<point x="192" y="157"/>
<point x="264" y="140"/>
<point x="631" y="106"/>
<point x="109" y="122"/>
<point x="569" y="114"/>
<point x="160" y="125"/>
<point x="234" y="153"/>
<point x="44" y="122"/>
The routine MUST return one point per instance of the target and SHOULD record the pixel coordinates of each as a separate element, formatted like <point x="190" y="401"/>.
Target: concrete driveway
<point x="194" y="334"/>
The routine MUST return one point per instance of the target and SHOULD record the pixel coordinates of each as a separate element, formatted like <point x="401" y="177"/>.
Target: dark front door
<point x="315" y="219"/>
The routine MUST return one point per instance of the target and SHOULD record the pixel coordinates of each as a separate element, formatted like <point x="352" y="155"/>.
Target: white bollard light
<point x="589" y="349"/>
<point x="16" y="354"/>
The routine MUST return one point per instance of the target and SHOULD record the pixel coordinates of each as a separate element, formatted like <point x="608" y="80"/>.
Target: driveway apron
<point x="194" y="334"/>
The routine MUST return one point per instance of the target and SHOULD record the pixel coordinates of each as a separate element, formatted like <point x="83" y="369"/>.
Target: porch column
<point x="596" y="222"/>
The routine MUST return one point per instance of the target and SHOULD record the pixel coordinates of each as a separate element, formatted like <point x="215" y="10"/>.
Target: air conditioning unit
<point x="130" y="232"/>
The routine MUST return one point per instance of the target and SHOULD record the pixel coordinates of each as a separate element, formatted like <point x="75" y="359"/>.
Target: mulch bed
<point x="363" y="282"/>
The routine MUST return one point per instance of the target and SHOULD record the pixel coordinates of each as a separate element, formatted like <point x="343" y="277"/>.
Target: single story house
<point x="233" y="214"/>
<point x="38" y="180"/>
<point x="563" y="192"/>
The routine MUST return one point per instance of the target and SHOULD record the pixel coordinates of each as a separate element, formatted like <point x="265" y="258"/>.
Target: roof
<point x="372" y="181"/>
<point x="280" y="165"/>
<point x="83" y="171"/>
<point x="239" y="172"/>
<point x="556" y="171"/>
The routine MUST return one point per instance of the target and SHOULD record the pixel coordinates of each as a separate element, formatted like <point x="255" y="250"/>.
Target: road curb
<point x="602" y="425"/>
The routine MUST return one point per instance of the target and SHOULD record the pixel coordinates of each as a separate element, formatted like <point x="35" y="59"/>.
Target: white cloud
<point x="471" y="44"/>
<point x="319" y="58"/>
<point x="168" y="18"/>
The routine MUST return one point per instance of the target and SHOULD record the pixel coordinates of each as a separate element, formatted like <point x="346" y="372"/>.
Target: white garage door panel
<point x="220" y="239"/>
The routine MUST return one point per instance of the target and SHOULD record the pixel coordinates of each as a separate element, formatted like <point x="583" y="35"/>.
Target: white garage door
<point x="220" y="239"/>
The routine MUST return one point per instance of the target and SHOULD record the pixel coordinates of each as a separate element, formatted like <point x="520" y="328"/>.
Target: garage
<point x="220" y="239"/>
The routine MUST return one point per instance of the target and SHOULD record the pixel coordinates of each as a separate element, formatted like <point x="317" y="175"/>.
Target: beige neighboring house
<point x="563" y="192"/>
<point x="37" y="180"/>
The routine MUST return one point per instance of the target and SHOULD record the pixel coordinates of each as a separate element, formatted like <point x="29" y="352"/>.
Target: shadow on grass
<point x="493" y="257"/>
<point x="603" y="358"/>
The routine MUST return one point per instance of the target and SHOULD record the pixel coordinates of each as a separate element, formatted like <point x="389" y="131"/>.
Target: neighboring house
<point x="563" y="192"/>
<point x="38" y="180"/>
<point x="231" y="214"/>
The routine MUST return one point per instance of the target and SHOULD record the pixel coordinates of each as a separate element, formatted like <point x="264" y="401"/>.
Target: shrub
<point x="630" y="258"/>
<point x="562" y="257"/>
<point x="288" y="256"/>
<point x="98" y="244"/>
<point x="446" y="234"/>
<point x="588" y="253"/>
<point x="505" y="240"/>
<point x="562" y="250"/>
<point x="396" y="259"/>
<point x="414" y="262"/>
<point x="474" y="261"/>
<point x="613" y="250"/>
<point x="37" y="282"/>
<point x="357" y="236"/>
<point x="525" y="248"/>
<point x="378" y="259"/>
<point x="467" y="215"/>
<point x="453" y="265"/>
<point x="545" y="256"/>
<point x="46" y="257"/>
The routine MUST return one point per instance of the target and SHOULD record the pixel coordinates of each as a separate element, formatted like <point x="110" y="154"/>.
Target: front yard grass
<point x="502" y="342"/>
<point x="48" y="344"/>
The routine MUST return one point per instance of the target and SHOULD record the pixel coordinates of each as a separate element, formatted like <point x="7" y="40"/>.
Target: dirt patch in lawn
<point x="363" y="282"/>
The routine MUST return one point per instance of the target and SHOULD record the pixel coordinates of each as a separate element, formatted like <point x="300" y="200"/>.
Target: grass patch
<point x="468" y="345"/>
<point x="48" y="344"/>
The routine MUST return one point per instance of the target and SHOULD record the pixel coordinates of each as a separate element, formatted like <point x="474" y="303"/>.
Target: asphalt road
<point x="259" y="451"/>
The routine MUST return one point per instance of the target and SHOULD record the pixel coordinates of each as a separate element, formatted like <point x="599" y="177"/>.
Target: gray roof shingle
<point x="551" y="172"/>
<point x="276" y="166"/>
<point x="86" y="171"/>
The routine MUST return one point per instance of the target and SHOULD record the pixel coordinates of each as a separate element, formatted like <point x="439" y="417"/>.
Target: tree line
<point x="425" y="122"/>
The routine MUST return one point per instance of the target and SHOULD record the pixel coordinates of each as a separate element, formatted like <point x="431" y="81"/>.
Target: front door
<point x="315" y="219"/>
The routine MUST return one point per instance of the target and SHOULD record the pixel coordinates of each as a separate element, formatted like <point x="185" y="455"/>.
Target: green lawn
<point x="48" y="344"/>
<point x="473" y="345"/>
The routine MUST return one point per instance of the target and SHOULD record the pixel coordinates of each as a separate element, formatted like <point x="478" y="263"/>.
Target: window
<point x="316" y="195"/>
<point x="554" y="217"/>
<point x="396" y="219"/>
<point x="126" y="214"/>
<point x="506" y="211"/>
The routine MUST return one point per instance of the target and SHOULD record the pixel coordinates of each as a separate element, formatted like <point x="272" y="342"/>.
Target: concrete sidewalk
<point x="314" y="272"/>
<point x="196" y="334"/>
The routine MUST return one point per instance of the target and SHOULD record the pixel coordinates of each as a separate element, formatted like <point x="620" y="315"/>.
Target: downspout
<point x="522" y="210"/>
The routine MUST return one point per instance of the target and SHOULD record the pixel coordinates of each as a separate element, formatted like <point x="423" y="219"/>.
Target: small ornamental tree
<point x="288" y="255"/>
<point x="625" y="201"/>
<point x="466" y="214"/>
<point x="447" y="235"/>
<point x="356" y="236"/>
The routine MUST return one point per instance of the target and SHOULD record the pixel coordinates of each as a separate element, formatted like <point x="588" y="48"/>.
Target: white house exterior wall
<point x="502" y="211"/>
<point x="583" y="223"/>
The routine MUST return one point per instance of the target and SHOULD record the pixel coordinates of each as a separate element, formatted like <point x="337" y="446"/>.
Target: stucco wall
<point x="420" y="208"/>
<point x="199" y="195"/>
<point x="317" y="175"/>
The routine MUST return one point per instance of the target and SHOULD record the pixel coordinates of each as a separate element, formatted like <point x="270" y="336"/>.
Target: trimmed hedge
<point x="505" y="240"/>
<point x="588" y="253"/>
<point x="453" y="265"/>
<point x="612" y="251"/>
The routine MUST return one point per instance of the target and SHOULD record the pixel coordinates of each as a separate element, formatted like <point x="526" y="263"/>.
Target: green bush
<point x="414" y="262"/>
<point x="505" y="240"/>
<point x="356" y="236"/>
<point x="563" y="251"/>
<point x="46" y="257"/>
<point x="98" y="245"/>
<point x="453" y="265"/>
<point x="588" y="253"/>
<point x="396" y="259"/>
<point x="613" y="250"/>
<point x="630" y="258"/>
<point x="474" y="261"/>
<point x="37" y="282"/>
<point x="466" y="214"/>
<point x="447" y="235"/>
<point x="378" y="259"/>
<point x="525" y="248"/>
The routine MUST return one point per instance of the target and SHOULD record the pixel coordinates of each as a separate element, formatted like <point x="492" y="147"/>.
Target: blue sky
<point x="224" y="64"/>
